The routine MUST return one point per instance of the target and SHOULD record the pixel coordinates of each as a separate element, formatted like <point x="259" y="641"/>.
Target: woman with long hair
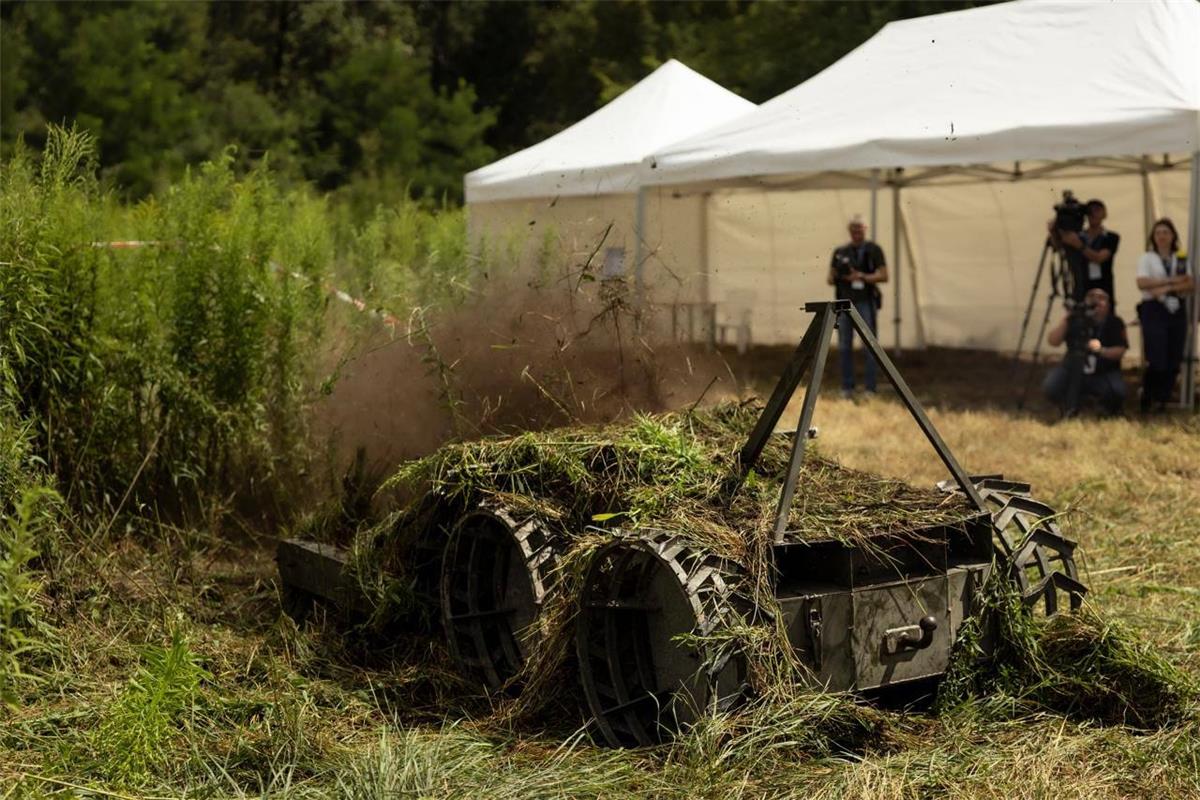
<point x="1165" y="283"/>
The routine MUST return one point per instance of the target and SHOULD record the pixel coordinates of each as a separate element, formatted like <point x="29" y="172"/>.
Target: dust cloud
<point x="516" y="356"/>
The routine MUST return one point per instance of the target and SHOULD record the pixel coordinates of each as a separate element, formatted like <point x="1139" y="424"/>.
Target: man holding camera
<point x="1090" y="252"/>
<point x="1095" y="339"/>
<point x="855" y="271"/>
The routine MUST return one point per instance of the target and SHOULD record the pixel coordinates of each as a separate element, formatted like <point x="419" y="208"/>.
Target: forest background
<point x="374" y="100"/>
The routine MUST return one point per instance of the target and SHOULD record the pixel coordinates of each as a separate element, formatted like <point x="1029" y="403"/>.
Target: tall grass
<point x="24" y="635"/>
<point x="29" y="520"/>
<point x="175" y="376"/>
<point x="404" y="255"/>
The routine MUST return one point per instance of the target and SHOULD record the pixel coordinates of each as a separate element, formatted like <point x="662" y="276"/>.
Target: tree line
<point x="376" y="100"/>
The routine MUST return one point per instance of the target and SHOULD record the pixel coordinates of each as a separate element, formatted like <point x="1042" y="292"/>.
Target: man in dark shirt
<point x="855" y="271"/>
<point x="1091" y="253"/>
<point x="1103" y="343"/>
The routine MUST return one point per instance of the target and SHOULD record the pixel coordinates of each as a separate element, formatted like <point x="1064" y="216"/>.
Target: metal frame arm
<point x="813" y="351"/>
<point x="792" y="373"/>
<point x="824" y="324"/>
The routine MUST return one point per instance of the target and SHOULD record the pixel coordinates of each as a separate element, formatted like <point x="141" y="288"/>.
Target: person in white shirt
<point x="1163" y="277"/>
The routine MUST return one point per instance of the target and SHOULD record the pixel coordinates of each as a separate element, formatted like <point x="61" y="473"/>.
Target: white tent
<point x="1021" y="80"/>
<point x="1086" y="89"/>
<point x="602" y="153"/>
<point x="576" y="195"/>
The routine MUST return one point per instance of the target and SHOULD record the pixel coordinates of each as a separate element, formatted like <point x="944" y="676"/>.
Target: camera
<point x="1080" y="316"/>
<point x="843" y="265"/>
<point x="1070" y="214"/>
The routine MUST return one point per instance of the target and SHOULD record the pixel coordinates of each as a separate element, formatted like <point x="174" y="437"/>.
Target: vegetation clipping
<point x="677" y="472"/>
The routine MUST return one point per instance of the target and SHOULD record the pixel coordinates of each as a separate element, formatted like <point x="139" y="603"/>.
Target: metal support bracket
<point x="812" y="352"/>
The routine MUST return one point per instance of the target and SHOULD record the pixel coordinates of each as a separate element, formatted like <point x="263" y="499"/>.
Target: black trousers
<point x="1163" y="338"/>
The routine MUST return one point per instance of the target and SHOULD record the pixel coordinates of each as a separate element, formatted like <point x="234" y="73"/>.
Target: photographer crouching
<point x="1096" y="341"/>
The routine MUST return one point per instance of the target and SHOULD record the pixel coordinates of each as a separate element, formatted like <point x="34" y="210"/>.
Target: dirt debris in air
<point x="522" y="357"/>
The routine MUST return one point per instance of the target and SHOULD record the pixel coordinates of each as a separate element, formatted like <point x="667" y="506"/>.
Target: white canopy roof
<point x="602" y="153"/>
<point x="1019" y="80"/>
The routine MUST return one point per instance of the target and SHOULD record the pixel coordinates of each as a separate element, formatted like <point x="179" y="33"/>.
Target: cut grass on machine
<point x="695" y="577"/>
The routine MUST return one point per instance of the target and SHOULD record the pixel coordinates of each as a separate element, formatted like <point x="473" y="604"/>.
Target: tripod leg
<point x="825" y="325"/>
<point x="783" y="392"/>
<point x="1055" y="269"/>
<point x="1037" y="282"/>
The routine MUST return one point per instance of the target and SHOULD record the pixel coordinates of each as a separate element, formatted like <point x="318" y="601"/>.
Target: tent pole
<point x="705" y="288"/>
<point x="1193" y="246"/>
<point x="918" y="323"/>
<point x="874" y="197"/>
<point x="639" y="278"/>
<point x="708" y="308"/>
<point x="1147" y="201"/>
<point x="896" y="260"/>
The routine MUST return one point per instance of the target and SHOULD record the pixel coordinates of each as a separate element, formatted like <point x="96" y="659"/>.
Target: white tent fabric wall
<point x="966" y="273"/>
<point x="980" y="246"/>
<point x="772" y="249"/>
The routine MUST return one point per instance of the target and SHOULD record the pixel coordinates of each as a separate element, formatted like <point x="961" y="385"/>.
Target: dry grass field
<point x="176" y="675"/>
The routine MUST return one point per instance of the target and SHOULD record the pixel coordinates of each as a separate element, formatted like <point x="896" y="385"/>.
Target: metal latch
<point x="814" y="634"/>
<point x="910" y="637"/>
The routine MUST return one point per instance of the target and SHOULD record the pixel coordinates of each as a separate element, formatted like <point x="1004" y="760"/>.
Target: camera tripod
<point x="1062" y="284"/>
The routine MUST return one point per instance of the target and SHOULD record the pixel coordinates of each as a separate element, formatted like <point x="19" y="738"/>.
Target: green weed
<point x="154" y="709"/>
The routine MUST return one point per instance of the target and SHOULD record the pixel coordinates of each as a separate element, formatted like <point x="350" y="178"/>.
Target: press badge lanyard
<point x="1095" y="268"/>
<point x="860" y="253"/>
<point x="1170" y="269"/>
<point x="1170" y="300"/>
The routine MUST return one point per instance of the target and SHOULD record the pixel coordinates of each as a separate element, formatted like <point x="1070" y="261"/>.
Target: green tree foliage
<point x="382" y="99"/>
<point x="399" y="124"/>
<point x="333" y="91"/>
<point x="121" y="72"/>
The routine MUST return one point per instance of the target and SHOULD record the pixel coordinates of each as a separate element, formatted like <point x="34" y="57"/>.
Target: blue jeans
<point x="1107" y="387"/>
<point x="866" y="310"/>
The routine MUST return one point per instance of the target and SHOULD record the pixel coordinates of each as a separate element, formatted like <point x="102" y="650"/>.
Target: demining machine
<point x="866" y="614"/>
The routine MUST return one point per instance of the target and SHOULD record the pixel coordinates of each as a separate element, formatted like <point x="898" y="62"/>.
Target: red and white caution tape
<point x="345" y="297"/>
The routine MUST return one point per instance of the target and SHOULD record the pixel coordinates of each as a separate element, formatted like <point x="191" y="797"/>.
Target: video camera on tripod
<point x="1069" y="216"/>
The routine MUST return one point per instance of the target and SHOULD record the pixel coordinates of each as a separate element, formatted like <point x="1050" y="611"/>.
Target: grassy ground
<point x="171" y="672"/>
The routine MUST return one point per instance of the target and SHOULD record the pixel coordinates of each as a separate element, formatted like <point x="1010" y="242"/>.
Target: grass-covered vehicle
<point x="694" y="559"/>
